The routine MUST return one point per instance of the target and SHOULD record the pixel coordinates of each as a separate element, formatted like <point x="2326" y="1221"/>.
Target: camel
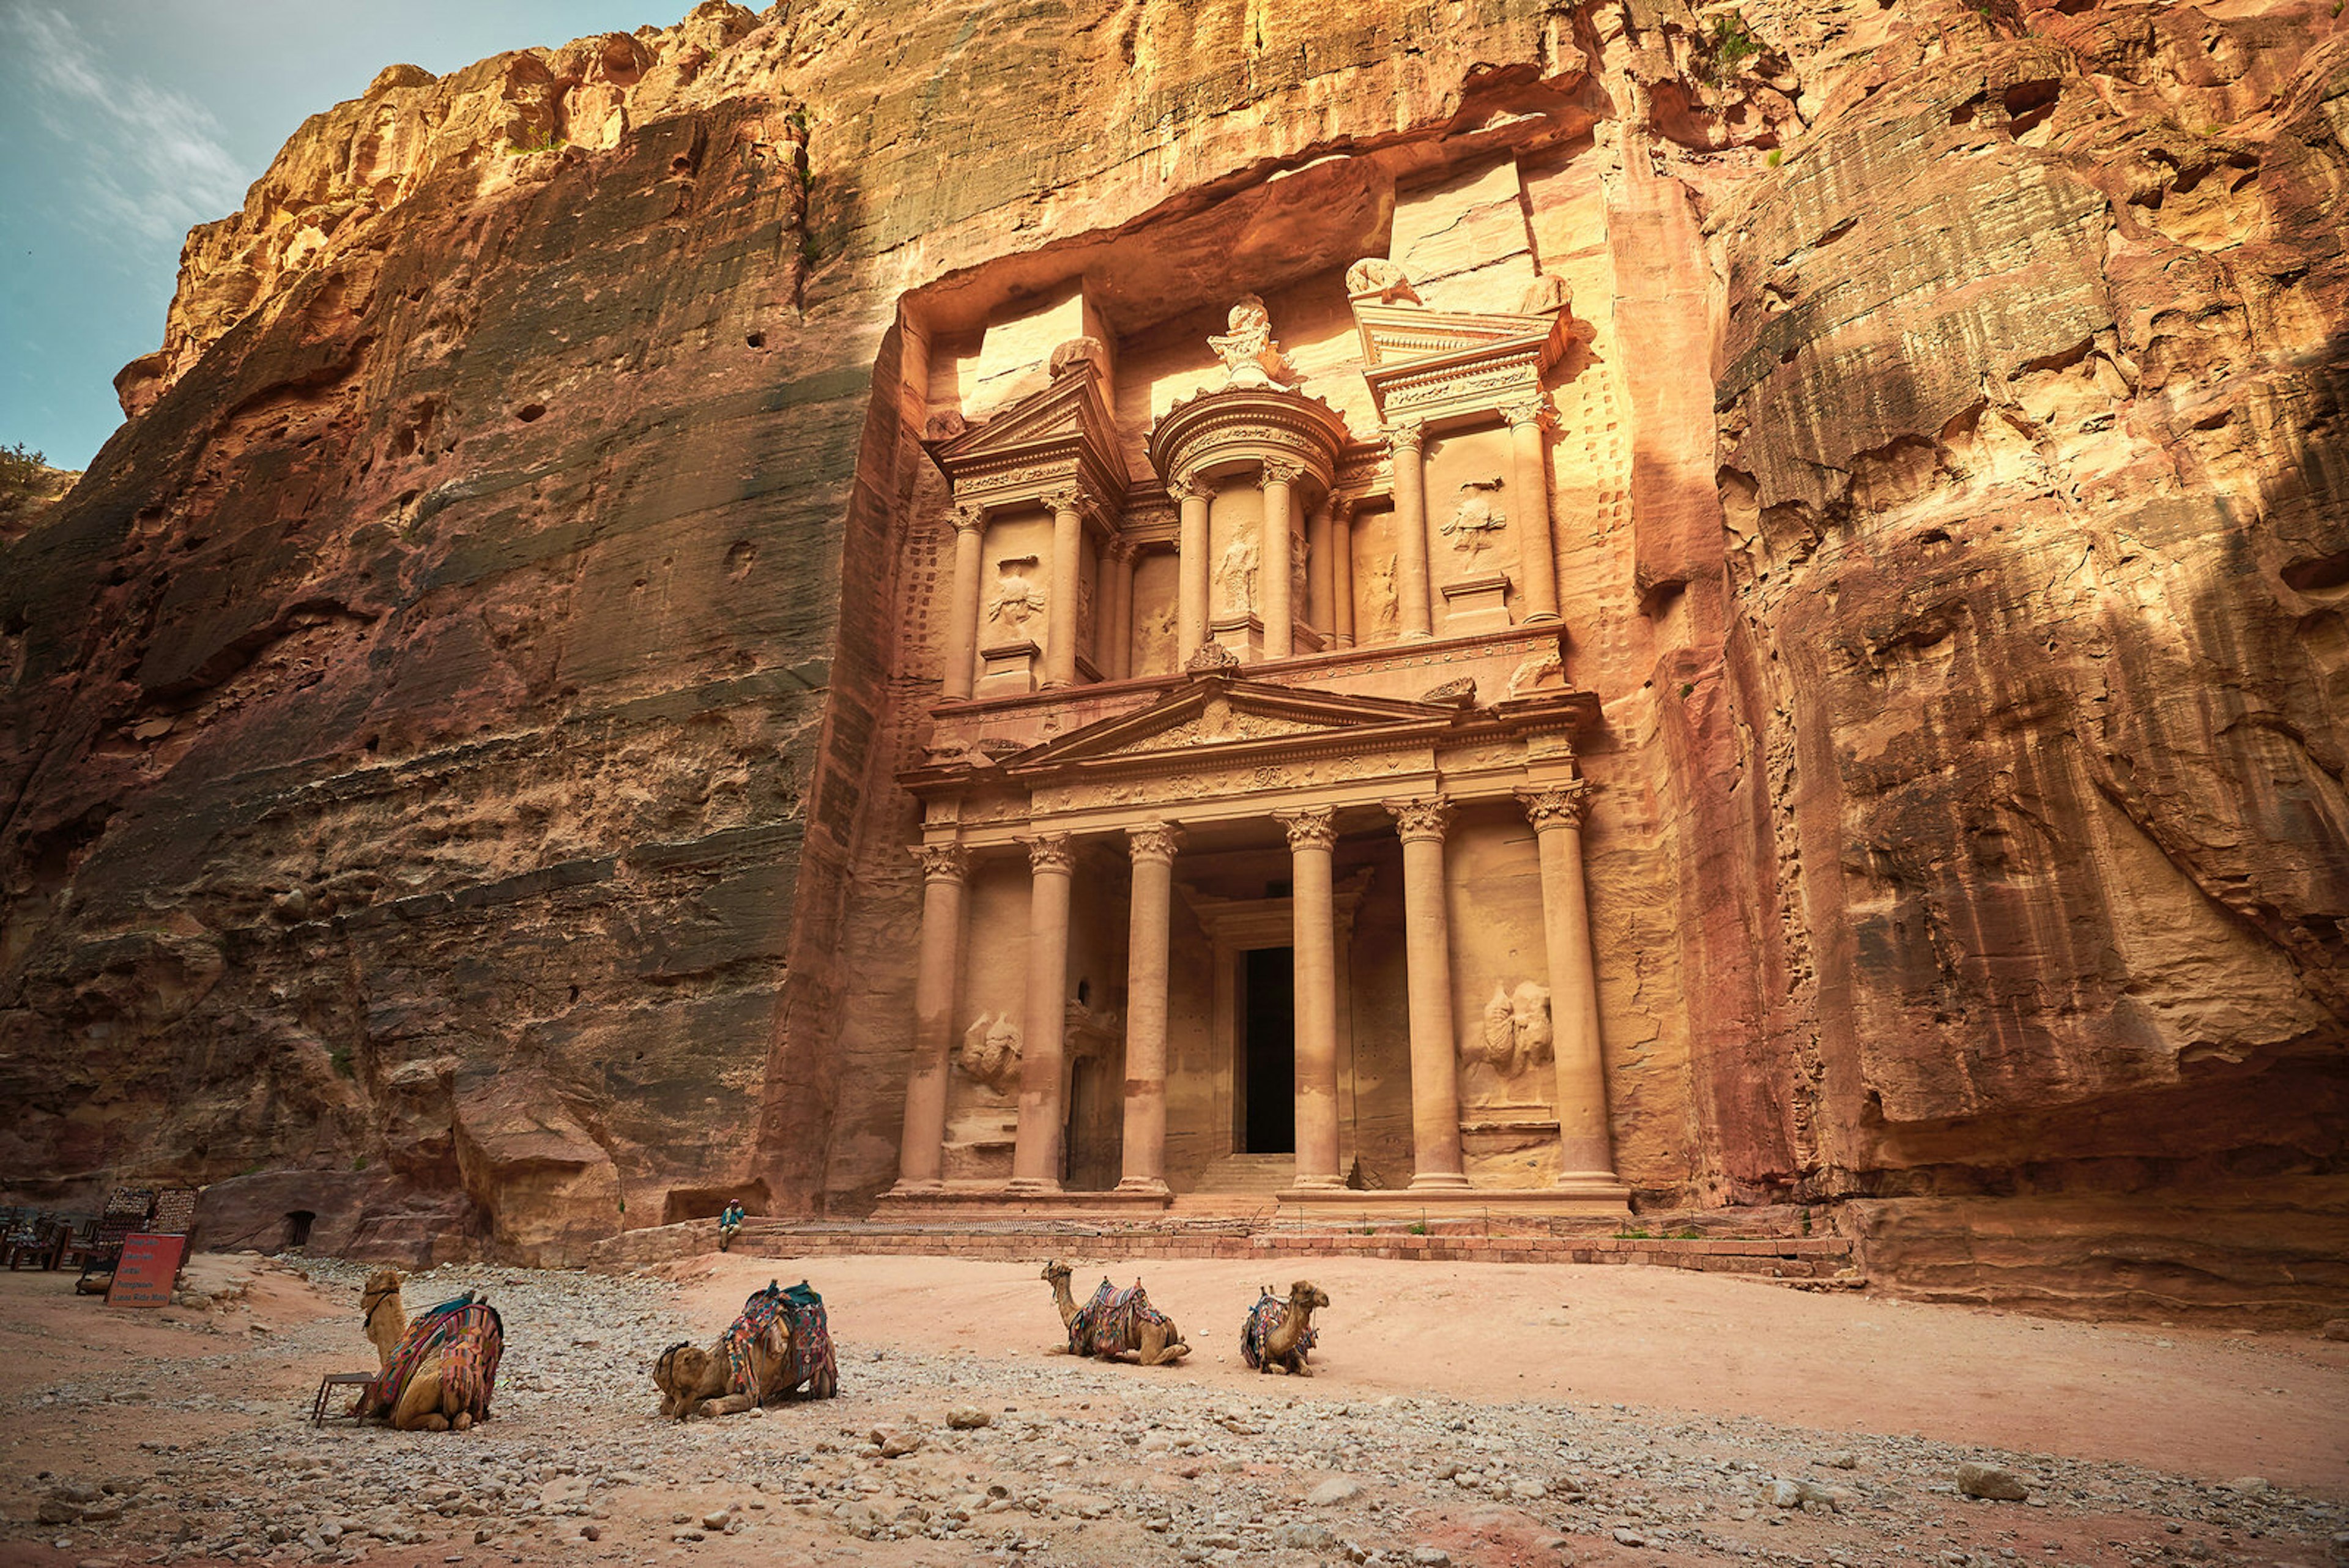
<point x="436" y="1373"/>
<point x="747" y="1365"/>
<point x="1278" y="1334"/>
<point x="1115" y="1323"/>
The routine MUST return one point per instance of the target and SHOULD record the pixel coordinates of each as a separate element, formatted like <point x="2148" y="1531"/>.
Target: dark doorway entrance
<point x="1270" y="1033"/>
<point x="1095" y="1149"/>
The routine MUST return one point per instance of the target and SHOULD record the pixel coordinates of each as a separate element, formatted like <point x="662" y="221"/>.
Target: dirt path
<point x="1483" y="1416"/>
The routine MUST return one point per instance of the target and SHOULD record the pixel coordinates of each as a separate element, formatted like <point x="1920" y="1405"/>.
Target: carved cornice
<point x="1557" y="805"/>
<point x="943" y="862"/>
<point x="1155" y="841"/>
<point x="1420" y="816"/>
<point x="1312" y="827"/>
<point x="1052" y="854"/>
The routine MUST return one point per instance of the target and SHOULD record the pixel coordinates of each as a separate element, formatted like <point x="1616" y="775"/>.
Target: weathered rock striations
<point x="452" y="731"/>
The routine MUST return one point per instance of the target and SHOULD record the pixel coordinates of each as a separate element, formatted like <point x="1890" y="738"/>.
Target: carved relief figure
<point x="1154" y="640"/>
<point x="990" y="1052"/>
<point x="1379" y="598"/>
<point x="1235" y="576"/>
<point x="1516" y="1029"/>
<point x="1474" y="517"/>
<point x="1247" y="349"/>
<point x="1297" y="552"/>
<point x="1017" y="600"/>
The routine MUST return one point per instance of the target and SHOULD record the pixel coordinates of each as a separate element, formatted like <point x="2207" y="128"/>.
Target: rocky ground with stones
<point x="959" y="1438"/>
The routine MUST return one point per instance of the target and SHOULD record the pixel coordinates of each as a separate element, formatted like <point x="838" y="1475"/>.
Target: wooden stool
<point x="326" y="1387"/>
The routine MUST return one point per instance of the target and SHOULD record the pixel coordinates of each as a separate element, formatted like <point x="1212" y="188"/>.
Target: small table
<point x="326" y="1387"/>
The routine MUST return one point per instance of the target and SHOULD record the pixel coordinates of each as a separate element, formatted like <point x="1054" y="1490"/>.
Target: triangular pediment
<point x="1214" y="712"/>
<point x="1399" y="334"/>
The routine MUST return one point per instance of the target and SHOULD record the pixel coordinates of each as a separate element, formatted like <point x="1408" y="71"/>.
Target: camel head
<point x="1305" y="1294"/>
<point x="678" y="1373"/>
<point x="1056" y="1274"/>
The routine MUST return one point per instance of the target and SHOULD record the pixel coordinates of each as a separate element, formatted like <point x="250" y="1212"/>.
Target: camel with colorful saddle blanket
<point x="781" y="1341"/>
<point x="438" y="1371"/>
<point x="1115" y="1323"/>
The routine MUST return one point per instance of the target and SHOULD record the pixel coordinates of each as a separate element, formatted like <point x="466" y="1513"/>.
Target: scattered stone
<point x="968" y="1417"/>
<point x="1991" y="1481"/>
<point x="2336" y="1328"/>
<point x="2249" y="1486"/>
<point x="1841" y="1459"/>
<point x="1333" y="1492"/>
<point x="1431" y="1557"/>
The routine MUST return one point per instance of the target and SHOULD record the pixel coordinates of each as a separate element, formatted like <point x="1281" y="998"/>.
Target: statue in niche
<point x="1298" y="550"/>
<point x="990" y="1052"/>
<point x="1542" y="671"/>
<point x="1517" y="1033"/>
<point x="1474" y="517"/>
<point x="1249" y="355"/>
<point x="1017" y="600"/>
<point x="1154" y="639"/>
<point x="1235" y="576"/>
<point x="1379" y="597"/>
<point x="1376" y="274"/>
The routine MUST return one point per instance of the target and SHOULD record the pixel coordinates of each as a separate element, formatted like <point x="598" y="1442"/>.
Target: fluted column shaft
<point x="1275" y="551"/>
<point x="1060" y="614"/>
<point x="1427" y="958"/>
<point x="938" y="986"/>
<point x="1537" y="551"/>
<point x="1341" y="573"/>
<point x="1312" y="842"/>
<point x="1036" y="1153"/>
<point x="1586" y="1151"/>
<point x="962" y="609"/>
<point x="1153" y="845"/>
<point x="1191" y="569"/>
<point x="1412" y="592"/>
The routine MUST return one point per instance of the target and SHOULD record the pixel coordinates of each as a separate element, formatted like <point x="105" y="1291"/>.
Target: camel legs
<point x="730" y="1405"/>
<point x="1159" y="1348"/>
<point x="419" y="1406"/>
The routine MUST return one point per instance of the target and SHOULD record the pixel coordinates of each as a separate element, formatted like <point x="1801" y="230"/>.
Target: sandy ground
<point x="1635" y="1411"/>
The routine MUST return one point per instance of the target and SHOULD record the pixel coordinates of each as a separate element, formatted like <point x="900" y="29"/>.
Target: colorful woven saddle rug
<point x="470" y="1338"/>
<point x="1112" y="1320"/>
<point x="756" y="1326"/>
<point x="812" y="1361"/>
<point x="1269" y="1312"/>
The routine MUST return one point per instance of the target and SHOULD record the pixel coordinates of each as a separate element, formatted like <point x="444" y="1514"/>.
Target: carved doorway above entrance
<point x="1265" y="1078"/>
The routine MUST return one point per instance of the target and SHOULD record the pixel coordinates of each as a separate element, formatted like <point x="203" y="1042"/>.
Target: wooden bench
<point x="326" y="1387"/>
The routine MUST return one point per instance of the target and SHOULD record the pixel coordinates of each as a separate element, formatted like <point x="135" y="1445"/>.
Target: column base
<point x="922" y="1189"/>
<point x="1542" y="618"/>
<point x="1439" y="1181"/>
<point x="1027" y="1185"/>
<point x="1590" y="1184"/>
<point x="1144" y="1186"/>
<point x="1330" y="1182"/>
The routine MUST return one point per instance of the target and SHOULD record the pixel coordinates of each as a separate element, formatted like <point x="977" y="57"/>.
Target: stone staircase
<point x="1261" y="1174"/>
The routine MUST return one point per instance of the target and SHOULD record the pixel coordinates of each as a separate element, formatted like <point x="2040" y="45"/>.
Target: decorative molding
<point x="1310" y="827"/>
<point x="1154" y="841"/>
<point x="943" y="862"/>
<point x="1050" y="853"/>
<point x="1420" y="816"/>
<point x="1211" y="659"/>
<point x="1557" y="805"/>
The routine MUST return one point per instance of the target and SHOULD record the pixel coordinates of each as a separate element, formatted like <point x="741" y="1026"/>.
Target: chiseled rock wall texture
<point x="437" y="743"/>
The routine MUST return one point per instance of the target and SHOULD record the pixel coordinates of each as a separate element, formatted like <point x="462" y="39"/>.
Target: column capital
<point x="1532" y="411"/>
<point x="1405" y="435"/>
<point x="1557" y="806"/>
<point x="1420" y="817"/>
<point x="1189" y="487"/>
<point x="1309" y="827"/>
<point x="1154" y="841"/>
<point x="1123" y="549"/>
<point x="1051" y="853"/>
<point x="969" y="517"/>
<point x="943" y="862"/>
<point x="1279" y="470"/>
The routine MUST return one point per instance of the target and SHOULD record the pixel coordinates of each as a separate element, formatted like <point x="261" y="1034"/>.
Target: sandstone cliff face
<point x="439" y="747"/>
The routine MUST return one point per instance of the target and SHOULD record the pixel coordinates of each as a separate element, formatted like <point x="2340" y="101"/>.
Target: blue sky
<point x="125" y="122"/>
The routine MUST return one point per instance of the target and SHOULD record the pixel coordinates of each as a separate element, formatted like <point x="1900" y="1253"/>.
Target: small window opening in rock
<point x="574" y="994"/>
<point x="756" y="340"/>
<point x="1084" y="993"/>
<point x="297" y="1227"/>
<point x="371" y="742"/>
<point x="529" y="412"/>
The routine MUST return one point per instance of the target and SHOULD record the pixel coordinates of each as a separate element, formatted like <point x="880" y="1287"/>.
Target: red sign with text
<point x="150" y="1266"/>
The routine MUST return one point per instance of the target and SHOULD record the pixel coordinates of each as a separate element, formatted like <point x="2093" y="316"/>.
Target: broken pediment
<point x="1061" y="435"/>
<point x="1434" y="365"/>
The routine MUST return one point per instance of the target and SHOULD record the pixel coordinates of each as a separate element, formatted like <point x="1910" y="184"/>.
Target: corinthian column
<point x="1530" y="479"/>
<point x="1060" y="614"/>
<point x="1153" y="845"/>
<point x="1316" y="573"/>
<point x="962" y="609"/>
<point x="938" y="986"/>
<point x="1405" y="441"/>
<point x="1275" y="551"/>
<point x="1036" y="1153"/>
<point x="1427" y="980"/>
<point x="1341" y="571"/>
<point x="1586" y="1155"/>
<point x="1191" y="567"/>
<point x="1113" y="625"/>
<point x="1311" y="841"/>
